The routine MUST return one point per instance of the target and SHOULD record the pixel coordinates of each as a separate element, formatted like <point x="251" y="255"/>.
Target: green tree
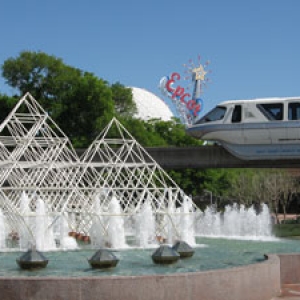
<point x="174" y="133"/>
<point x="243" y="186"/>
<point x="45" y="77"/>
<point x="78" y="101"/>
<point x="86" y="110"/>
<point x="143" y="132"/>
<point x="217" y="181"/>
<point x="6" y="105"/>
<point x="190" y="180"/>
<point x="281" y="187"/>
<point x="123" y="100"/>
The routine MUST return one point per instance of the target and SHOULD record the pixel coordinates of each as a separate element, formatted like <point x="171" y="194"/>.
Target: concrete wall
<point x="254" y="282"/>
<point x="289" y="268"/>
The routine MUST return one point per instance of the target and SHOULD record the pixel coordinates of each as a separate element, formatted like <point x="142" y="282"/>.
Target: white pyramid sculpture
<point x="118" y="166"/>
<point x="37" y="158"/>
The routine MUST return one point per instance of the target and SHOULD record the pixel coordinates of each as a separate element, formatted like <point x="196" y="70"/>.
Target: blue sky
<point x="253" y="46"/>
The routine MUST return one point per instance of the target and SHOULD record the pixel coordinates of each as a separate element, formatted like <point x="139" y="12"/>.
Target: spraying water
<point x="44" y="238"/>
<point x="2" y="231"/>
<point x="235" y="222"/>
<point x="66" y="242"/>
<point x="116" y="232"/>
<point x="107" y="228"/>
<point x="96" y="230"/>
<point x="26" y="236"/>
<point x="145" y="231"/>
<point x="187" y="222"/>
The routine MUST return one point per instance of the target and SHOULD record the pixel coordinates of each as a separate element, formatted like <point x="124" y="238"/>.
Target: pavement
<point x="289" y="292"/>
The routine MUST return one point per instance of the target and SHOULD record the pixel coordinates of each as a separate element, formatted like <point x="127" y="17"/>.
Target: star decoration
<point x="199" y="73"/>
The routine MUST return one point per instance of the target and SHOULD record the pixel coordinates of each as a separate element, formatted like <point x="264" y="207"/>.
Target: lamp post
<point x="210" y="193"/>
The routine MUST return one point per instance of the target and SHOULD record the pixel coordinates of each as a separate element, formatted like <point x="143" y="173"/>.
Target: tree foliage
<point x="87" y="108"/>
<point x="78" y="101"/>
<point x="46" y="77"/>
<point x="190" y="180"/>
<point x="6" y="105"/>
<point x="123" y="100"/>
<point x="174" y="133"/>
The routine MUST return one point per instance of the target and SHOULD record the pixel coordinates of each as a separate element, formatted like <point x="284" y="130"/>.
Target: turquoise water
<point x="209" y="254"/>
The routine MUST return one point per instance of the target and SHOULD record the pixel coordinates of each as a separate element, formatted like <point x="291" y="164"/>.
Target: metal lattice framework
<point x="38" y="159"/>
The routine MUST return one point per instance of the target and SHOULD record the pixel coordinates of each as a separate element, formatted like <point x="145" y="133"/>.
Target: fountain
<point x="113" y="190"/>
<point x="115" y="194"/>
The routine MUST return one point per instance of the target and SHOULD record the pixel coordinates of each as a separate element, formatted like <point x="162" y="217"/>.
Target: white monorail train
<point x="254" y="129"/>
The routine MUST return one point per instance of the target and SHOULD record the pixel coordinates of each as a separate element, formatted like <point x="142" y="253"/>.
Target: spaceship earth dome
<point x="149" y="106"/>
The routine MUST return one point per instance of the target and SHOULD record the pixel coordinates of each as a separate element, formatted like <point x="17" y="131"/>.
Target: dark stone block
<point x="184" y="249"/>
<point x="103" y="259"/>
<point x="165" y="255"/>
<point x="32" y="259"/>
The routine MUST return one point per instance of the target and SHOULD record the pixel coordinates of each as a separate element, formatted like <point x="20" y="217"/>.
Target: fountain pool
<point x="210" y="254"/>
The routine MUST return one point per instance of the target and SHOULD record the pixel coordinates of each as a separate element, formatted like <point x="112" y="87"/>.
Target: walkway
<point x="289" y="292"/>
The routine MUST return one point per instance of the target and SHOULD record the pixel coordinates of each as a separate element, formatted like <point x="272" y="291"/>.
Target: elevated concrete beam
<point x="210" y="157"/>
<point x="205" y="157"/>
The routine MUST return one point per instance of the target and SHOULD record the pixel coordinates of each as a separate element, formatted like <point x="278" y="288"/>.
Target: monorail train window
<point x="294" y="111"/>
<point x="272" y="111"/>
<point x="237" y="114"/>
<point x="216" y="114"/>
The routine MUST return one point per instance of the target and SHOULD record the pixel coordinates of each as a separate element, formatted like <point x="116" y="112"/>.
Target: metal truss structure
<point x="37" y="160"/>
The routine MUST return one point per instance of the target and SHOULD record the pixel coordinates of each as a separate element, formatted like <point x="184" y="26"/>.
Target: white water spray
<point x="145" y="232"/>
<point x="187" y="222"/>
<point x="235" y="222"/>
<point x="44" y="237"/>
<point x="2" y="231"/>
<point x="96" y="230"/>
<point x="25" y="232"/>
<point x="116" y="232"/>
<point x="66" y="242"/>
<point x="171" y="219"/>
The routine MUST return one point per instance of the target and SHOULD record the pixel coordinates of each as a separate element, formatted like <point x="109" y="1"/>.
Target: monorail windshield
<point x="216" y="114"/>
